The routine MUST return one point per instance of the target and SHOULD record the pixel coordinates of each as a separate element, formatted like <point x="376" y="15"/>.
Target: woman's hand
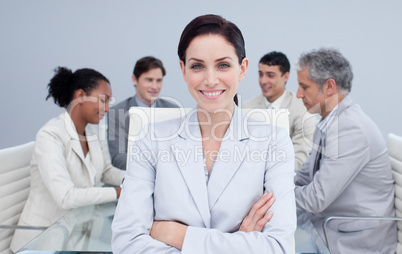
<point x="170" y="232"/>
<point x="258" y="216"/>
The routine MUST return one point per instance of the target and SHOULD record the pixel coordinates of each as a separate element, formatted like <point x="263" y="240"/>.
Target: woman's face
<point x="212" y="72"/>
<point x="96" y="104"/>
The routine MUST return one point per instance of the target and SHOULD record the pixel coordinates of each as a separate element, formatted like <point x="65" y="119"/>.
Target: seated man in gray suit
<point x="147" y="78"/>
<point x="348" y="172"/>
<point x="273" y="71"/>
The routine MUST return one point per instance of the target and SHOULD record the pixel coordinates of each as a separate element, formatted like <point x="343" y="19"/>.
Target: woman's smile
<point x="212" y="94"/>
<point x="212" y="72"/>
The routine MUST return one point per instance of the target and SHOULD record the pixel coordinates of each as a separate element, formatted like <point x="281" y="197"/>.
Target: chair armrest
<point x="328" y="219"/>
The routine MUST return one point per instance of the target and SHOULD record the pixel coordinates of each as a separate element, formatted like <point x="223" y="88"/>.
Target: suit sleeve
<point x="346" y="152"/>
<point x="134" y="214"/>
<point x="49" y="155"/>
<point x="303" y="127"/>
<point x="117" y="137"/>
<point x="277" y="235"/>
<point x="302" y="176"/>
<point x="304" y="173"/>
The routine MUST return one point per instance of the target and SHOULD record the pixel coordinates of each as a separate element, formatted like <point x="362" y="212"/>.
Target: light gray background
<point x="109" y="36"/>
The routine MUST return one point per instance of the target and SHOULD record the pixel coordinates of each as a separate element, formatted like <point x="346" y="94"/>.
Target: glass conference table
<point x="88" y="230"/>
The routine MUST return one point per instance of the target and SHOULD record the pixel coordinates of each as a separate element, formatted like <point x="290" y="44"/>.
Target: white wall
<point x="109" y="36"/>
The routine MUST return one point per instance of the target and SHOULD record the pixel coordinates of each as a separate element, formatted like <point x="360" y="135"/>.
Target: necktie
<point x="318" y="157"/>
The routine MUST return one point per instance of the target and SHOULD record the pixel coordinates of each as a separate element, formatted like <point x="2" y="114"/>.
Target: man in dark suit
<point x="147" y="78"/>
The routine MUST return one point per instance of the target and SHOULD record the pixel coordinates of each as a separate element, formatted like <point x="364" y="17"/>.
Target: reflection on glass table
<point x="88" y="229"/>
<point x="83" y="229"/>
<point x="306" y="237"/>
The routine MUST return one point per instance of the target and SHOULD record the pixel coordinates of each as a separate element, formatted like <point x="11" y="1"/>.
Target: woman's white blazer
<point x="166" y="180"/>
<point x="61" y="178"/>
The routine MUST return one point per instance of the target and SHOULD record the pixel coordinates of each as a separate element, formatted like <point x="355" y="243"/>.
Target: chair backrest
<point x="140" y="116"/>
<point x="394" y="144"/>
<point x="14" y="188"/>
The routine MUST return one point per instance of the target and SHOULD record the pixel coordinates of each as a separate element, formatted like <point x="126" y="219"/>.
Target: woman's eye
<point x="224" y="65"/>
<point x="196" y="66"/>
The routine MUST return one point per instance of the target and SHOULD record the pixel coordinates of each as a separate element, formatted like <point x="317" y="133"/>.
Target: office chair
<point x="14" y="190"/>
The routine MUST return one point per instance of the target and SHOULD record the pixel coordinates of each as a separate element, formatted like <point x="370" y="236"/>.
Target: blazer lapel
<point x="224" y="169"/>
<point x="72" y="133"/>
<point x="76" y="145"/>
<point x="130" y="103"/>
<point x="189" y="157"/>
<point x="229" y="158"/>
<point x="317" y="148"/>
<point x="94" y="150"/>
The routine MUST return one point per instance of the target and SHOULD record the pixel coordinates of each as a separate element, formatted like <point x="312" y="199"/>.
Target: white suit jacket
<point x="165" y="180"/>
<point x="61" y="179"/>
<point x="354" y="179"/>
<point x="301" y="123"/>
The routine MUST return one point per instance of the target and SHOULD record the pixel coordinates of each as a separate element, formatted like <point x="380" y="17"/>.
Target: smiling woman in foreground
<point x="225" y="186"/>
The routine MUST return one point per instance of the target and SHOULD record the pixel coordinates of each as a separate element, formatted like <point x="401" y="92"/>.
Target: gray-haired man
<point x="348" y="173"/>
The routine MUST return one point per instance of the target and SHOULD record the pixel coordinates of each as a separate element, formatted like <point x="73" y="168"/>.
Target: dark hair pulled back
<point x="65" y="82"/>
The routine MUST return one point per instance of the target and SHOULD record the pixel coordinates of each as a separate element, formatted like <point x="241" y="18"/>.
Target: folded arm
<point x="173" y="233"/>
<point x="134" y="217"/>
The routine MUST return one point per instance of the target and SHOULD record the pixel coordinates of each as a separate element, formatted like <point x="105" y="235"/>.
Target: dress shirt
<point x="276" y="104"/>
<point x="322" y="127"/>
<point x="325" y="122"/>
<point x="139" y="102"/>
